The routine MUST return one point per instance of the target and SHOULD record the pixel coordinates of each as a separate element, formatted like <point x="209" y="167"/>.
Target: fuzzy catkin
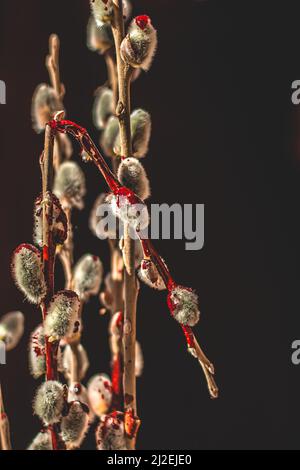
<point x="139" y="359"/>
<point x="49" y="402"/>
<point x="140" y="123"/>
<point x="87" y="276"/>
<point x="109" y="136"/>
<point x="69" y="184"/>
<point x="42" y="441"/>
<point x="132" y="174"/>
<point x="110" y="434"/>
<point x="75" y="425"/>
<point x="184" y="305"/>
<point x="102" y="11"/>
<point x="45" y="103"/>
<point x="100" y="394"/>
<point x="103" y="223"/>
<point x="37" y="355"/>
<point x="82" y="359"/>
<point x="11" y="329"/>
<point x="27" y="271"/>
<point x="136" y="215"/>
<point x="149" y="274"/>
<point x="99" y="38"/>
<point x="139" y="46"/>
<point x="59" y="225"/>
<point x="103" y="107"/>
<point x="62" y="315"/>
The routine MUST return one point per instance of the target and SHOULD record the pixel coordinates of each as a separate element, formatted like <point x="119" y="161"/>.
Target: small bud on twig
<point x="139" y="46"/>
<point x="27" y="271"/>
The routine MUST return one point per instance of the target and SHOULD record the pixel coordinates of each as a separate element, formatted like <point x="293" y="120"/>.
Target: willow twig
<point x="130" y="283"/>
<point x="5" y="442"/>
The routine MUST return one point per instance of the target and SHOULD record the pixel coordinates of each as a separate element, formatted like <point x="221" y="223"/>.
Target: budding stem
<point x="5" y="442"/>
<point x="83" y="137"/>
<point x="130" y="283"/>
<point x="49" y="257"/>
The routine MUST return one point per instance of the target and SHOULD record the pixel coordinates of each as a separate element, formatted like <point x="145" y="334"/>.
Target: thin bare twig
<point x="5" y="442"/>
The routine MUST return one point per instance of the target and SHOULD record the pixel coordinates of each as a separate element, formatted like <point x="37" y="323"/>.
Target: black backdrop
<point x="225" y="134"/>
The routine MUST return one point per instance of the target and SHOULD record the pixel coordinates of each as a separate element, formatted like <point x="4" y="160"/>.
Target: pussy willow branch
<point x="66" y="253"/>
<point x="5" y="442"/>
<point x="115" y="186"/>
<point x="52" y="64"/>
<point x="130" y="282"/>
<point x="49" y="258"/>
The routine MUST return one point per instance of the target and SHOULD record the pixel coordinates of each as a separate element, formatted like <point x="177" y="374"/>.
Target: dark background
<point x="224" y="134"/>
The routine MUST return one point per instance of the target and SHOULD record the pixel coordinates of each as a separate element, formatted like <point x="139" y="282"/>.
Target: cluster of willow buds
<point x="68" y="402"/>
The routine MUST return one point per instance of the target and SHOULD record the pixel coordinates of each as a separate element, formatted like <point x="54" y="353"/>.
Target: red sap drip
<point x="142" y="21"/>
<point x="3" y="416"/>
<point x="46" y="253"/>
<point x="189" y="335"/>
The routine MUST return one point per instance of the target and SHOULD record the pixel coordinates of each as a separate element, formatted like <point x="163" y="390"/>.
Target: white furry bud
<point x="11" y="329"/>
<point x="99" y="38"/>
<point x="139" y="360"/>
<point x="37" y="355"/>
<point x="110" y="434"/>
<point x="134" y="213"/>
<point x="103" y="10"/>
<point x="42" y="441"/>
<point x="103" y="223"/>
<point x="62" y="315"/>
<point x="59" y="224"/>
<point x="139" y="46"/>
<point x="110" y="135"/>
<point x="100" y="394"/>
<point x="183" y="303"/>
<point x="140" y="123"/>
<point x="149" y="275"/>
<point x="75" y="425"/>
<point x="132" y="174"/>
<point x="87" y="276"/>
<point x="69" y="184"/>
<point x="49" y="402"/>
<point x="45" y="103"/>
<point x="82" y="358"/>
<point x="27" y="271"/>
<point x="103" y="107"/>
